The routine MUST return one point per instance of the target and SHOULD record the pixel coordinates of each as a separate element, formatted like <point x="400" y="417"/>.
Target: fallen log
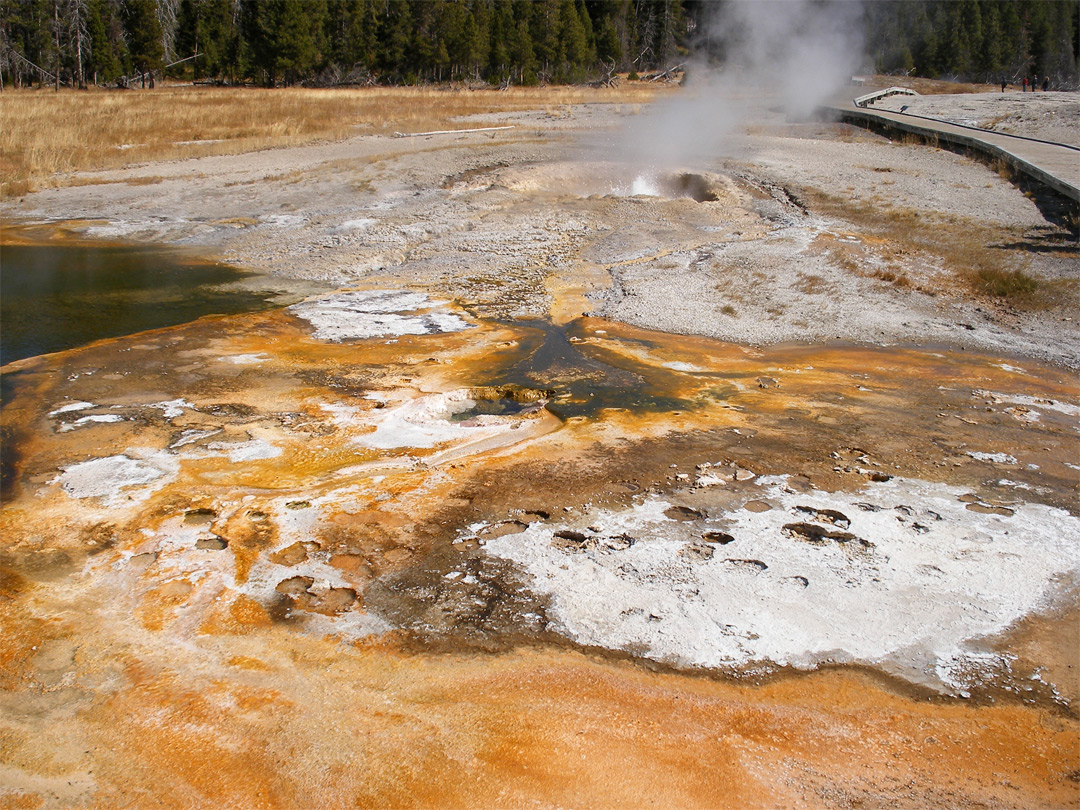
<point x="449" y="131"/>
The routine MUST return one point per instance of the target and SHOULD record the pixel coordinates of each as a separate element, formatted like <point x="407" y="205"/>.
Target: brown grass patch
<point x="897" y="278"/>
<point x="47" y="136"/>
<point x="811" y="284"/>
<point x="967" y="250"/>
<point x="1004" y="169"/>
<point x="1005" y="283"/>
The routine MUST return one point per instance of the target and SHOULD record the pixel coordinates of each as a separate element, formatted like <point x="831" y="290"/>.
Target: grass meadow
<point x="48" y="137"/>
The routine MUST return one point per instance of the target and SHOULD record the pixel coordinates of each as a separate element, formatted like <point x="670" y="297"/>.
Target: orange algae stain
<point x="547" y="728"/>
<point x="591" y="734"/>
<point x="247" y="662"/>
<point x="187" y="746"/>
<point x="23" y="634"/>
<point x="241" y="616"/>
<point x="21" y="801"/>
<point x="366" y="725"/>
<point x="250" y="533"/>
<point x="159" y="605"/>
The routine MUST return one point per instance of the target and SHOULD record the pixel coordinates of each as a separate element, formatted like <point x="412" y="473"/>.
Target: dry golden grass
<point x="47" y="136"/>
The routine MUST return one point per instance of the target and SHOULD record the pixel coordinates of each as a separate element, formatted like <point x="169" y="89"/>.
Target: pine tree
<point x="144" y="38"/>
<point x="395" y="42"/>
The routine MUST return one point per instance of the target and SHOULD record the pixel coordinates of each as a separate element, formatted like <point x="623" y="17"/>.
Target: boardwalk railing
<point x="870" y="98"/>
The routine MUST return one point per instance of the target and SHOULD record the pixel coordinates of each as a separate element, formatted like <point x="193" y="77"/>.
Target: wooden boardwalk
<point x="1053" y="164"/>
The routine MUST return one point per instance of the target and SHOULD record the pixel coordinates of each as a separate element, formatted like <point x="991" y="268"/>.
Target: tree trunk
<point x="56" y="31"/>
<point x="78" y="50"/>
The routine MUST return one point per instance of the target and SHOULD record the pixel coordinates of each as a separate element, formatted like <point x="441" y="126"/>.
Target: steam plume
<point x="793" y="53"/>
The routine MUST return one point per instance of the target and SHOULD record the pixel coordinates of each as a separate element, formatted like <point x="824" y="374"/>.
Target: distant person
<point x="1025" y="84"/>
<point x="1035" y="83"/>
<point x="1046" y="84"/>
<point x="1004" y="84"/>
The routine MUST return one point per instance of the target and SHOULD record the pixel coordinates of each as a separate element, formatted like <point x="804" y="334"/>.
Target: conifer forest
<point x="392" y="42"/>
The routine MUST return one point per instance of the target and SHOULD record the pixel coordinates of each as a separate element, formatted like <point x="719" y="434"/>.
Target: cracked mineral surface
<point x="587" y="484"/>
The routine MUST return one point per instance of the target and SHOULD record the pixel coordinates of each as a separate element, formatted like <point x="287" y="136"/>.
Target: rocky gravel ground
<point x="809" y="232"/>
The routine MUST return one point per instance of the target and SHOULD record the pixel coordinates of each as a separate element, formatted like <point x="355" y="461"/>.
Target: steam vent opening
<point x="677" y="185"/>
<point x="695" y="186"/>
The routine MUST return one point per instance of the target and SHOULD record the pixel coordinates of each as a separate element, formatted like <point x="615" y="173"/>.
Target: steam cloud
<point x="794" y="53"/>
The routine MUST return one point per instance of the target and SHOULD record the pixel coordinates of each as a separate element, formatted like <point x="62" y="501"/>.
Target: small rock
<point x="818" y="536"/>
<point x="502" y="529"/>
<point x="683" y="513"/>
<point x="569" y="540"/>
<point x="294" y="586"/>
<point x="755" y="565"/>
<point x="696" y="552"/>
<point x="619" y="542"/>
<point x="825" y="515"/>
<point x="722" y="538"/>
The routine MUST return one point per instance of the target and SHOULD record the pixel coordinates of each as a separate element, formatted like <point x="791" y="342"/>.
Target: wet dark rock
<point x="214" y="543"/>
<point x="618" y="542"/>
<point x="819" y="536"/>
<point x="538" y="514"/>
<point x="335" y="600"/>
<point x="569" y="540"/>
<point x="294" y="586"/>
<point x="683" y="513"/>
<point x="720" y="538"/>
<point x="988" y="509"/>
<point x="569" y="534"/>
<point x="295" y="553"/>
<point x="878" y="476"/>
<point x="199" y="517"/>
<point x="298" y="504"/>
<point x="767" y="382"/>
<point x="140" y="562"/>
<point x="825" y="515"/>
<point x="502" y="529"/>
<point x="800" y="484"/>
<point x="868" y="507"/>
<point x="297" y="592"/>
